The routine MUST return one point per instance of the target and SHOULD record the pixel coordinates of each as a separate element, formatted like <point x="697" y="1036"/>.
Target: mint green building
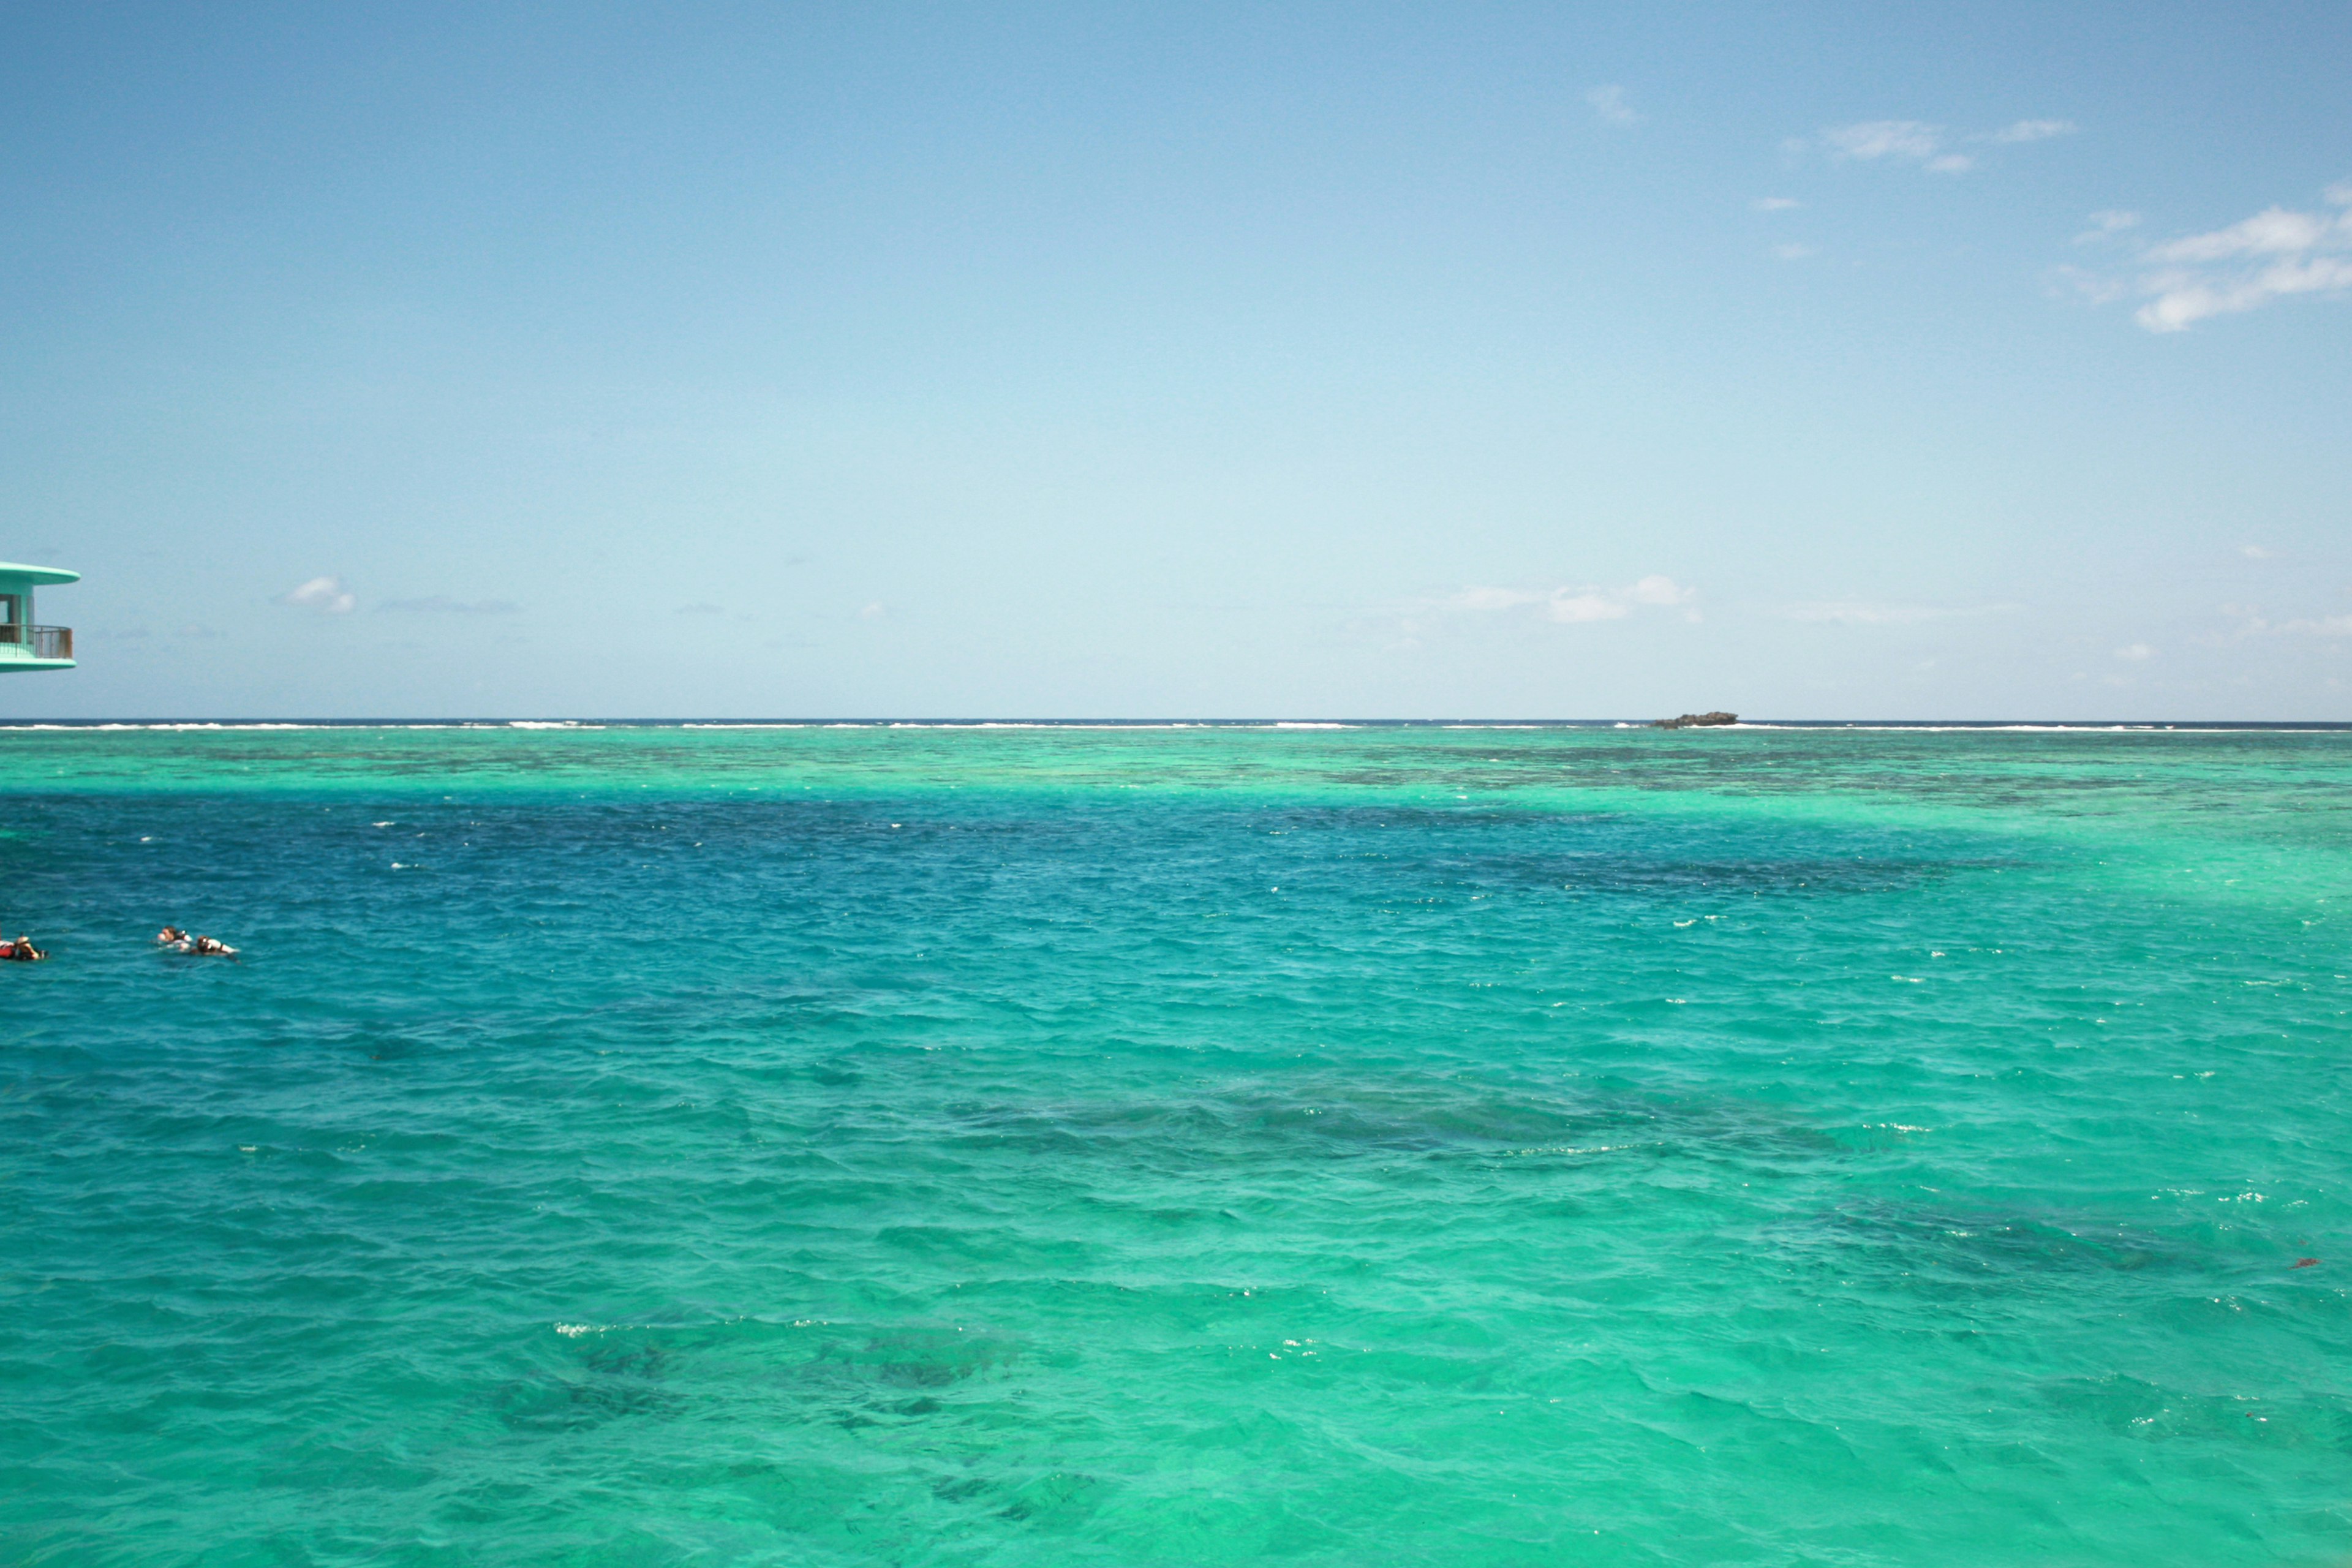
<point x="24" y="644"/>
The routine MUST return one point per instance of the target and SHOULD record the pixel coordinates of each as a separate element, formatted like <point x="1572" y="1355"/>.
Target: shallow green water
<point x="1095" y="1146"/>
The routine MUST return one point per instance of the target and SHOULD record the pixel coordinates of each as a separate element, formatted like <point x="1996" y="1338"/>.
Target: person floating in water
<point x="21" y="950"/>
<point x="172" y="936"/>
<point x="174" y="940"/>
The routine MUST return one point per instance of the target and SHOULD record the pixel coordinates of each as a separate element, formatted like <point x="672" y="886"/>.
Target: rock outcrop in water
<point x="1696" y="721"/>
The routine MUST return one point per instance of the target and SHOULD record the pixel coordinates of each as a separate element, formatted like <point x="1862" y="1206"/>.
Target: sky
<point x="1284" y="360"/>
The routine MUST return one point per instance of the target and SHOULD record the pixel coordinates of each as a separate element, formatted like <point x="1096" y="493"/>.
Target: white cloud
<point x="1793" y="252"/>
<point x="1491" y="599"/>
<point x="1577" y="605"/>
<point x="2307" y="626"/>
<point x="2258" y="625"/>
<point x="2273" y="231"/>
<point x="1608" y="103"/>
<point x="1776" y="203"/>
<point x="2272" y="255"/>
<point x="324" y="594"/>
<point x="1885" y="139"/>
<point x="1929" y="146"/>
<point x="875" y="611"/>
<point x="1661" y="590"/>
<point x="2106" y="225"/>
<point x="2033" y="130"/>
<point x="2183" y="300"/>
<point x="1860" y="613"/>
<point x="2096" y="287"/>
<point x="2135" y="651"/>
<point x="2253" y="553"/>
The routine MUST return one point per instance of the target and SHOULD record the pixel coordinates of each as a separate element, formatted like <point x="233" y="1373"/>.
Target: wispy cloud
<point x="2318" y="626"/>
<point x="1793" y="252"/>
<point x="1572" y="609"/>
<point x="2274" y="254"/>
<point x="1865" y="612"/>
<point x="1571" y="605"/>
<point x="2106" y="225"/>
<point x="2135" y="652"/>
<point x="2256" y="624"/>
<point x="2273" y="231"/>
<point x="440" y="605"/>
<point x="1775" y="203"/>
<point x="1873" y="139"/>
<point x="1492" y="599"/>
<point x="2030" y="131"/>
<point x="325" y="595"/>
<point x="1930" y="147"/>
<point x="2253" y="553"/>
<point x="2096" y="287"/>
<point x="1610" y="105"/>
<point x="1661" y="590"/>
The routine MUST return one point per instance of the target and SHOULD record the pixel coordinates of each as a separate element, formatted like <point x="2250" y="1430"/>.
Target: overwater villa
<point x="24" y="645"/>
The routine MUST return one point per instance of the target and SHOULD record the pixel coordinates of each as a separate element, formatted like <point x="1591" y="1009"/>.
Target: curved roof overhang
<point x="38" y="574"/>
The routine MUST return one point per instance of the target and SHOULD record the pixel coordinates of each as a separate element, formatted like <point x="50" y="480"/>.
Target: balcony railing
<point x="40" y="642"/>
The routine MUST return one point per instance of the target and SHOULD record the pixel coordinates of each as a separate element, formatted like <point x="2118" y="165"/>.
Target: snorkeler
<point x="174" y="940"/>
<point x="21" y="950"/>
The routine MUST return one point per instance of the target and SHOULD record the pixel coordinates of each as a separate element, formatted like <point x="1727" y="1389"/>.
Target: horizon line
<point x="938" y="721"/>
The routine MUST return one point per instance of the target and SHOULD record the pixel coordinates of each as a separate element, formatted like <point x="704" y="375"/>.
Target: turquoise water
<point x="832" y="1146"/>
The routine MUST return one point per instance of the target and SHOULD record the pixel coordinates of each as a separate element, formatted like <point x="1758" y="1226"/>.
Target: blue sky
<point x="1831" y="360"/>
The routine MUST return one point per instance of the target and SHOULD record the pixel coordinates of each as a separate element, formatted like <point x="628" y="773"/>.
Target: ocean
<point x="1122" y="1145"/>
